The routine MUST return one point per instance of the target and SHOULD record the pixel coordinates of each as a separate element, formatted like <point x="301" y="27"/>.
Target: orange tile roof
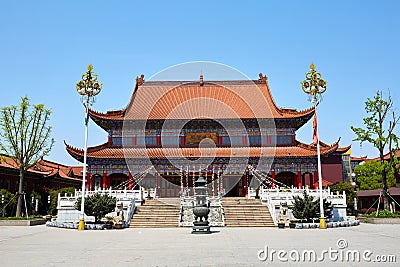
<point x="343" y="149"/>
<point x="387" y="156"/>
<point x="157" y="100"/>
<point x="107" y="151"/>
<point x="358" y="159"/>
<point x="45" y="168"/>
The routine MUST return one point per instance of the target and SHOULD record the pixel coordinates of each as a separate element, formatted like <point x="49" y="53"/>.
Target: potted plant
<point x="281" y="225"/>
<point x="109" y="223"/>
<point x="292" y="224"/>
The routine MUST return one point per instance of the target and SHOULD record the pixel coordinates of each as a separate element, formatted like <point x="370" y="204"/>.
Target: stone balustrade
<point x="273" y="197"/>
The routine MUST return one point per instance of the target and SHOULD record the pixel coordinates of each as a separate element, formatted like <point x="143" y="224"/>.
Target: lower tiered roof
<point x="46" y="168"/>
<point x="299" y="150"/>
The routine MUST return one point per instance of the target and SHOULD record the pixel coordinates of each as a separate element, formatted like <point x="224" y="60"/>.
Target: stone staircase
<point x="242" y="212"/>
<point x="156" y="214"/>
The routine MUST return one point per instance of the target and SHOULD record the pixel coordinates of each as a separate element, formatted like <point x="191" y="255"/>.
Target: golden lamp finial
<point x="314" y="85"/>
<point x="89" y="86"/>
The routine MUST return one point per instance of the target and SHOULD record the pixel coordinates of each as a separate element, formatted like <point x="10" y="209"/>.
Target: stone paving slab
<point x="46" y="246"/>
<point x="22" y="222"/>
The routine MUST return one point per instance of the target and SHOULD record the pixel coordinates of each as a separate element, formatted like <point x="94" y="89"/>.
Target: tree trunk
<point x="384" y="189"/>
<point x="20" y="192"/>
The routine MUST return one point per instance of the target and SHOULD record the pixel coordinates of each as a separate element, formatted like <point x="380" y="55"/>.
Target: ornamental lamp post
<point x="315" y="86"/>
<point x="2" y="204"/>
<point x="88" y="88"/>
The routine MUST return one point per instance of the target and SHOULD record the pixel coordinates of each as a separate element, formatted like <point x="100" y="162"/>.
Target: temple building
<point x="41" y="177"/>
<point x="182" y="128"/>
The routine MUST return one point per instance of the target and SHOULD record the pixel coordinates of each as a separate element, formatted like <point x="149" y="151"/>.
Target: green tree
<point x="369" y="175"/>
<point x="328" y="209"/>
<point x="349" y="189"/>
<point x="25" y="137"/>
<point x="9" y="202"/>
<point x="307" y="208"/>
<point x="97" y="205"/>
<point x="379" y="129"/>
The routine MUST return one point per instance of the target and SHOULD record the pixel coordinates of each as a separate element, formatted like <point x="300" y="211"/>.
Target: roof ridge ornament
<point x="262" y="78"/>
<point x="201" y="79"/>
<point x="140" y="80"/>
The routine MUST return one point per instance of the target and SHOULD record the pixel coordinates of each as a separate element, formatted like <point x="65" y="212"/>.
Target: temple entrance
<point x="238" y="188"/>
<point x="117" y="179"/>
<point x="169" y="186"/>
<point x="286" y="178"/>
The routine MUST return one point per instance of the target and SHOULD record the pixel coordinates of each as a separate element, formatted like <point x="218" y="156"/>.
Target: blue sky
<point x="45" y="46"/>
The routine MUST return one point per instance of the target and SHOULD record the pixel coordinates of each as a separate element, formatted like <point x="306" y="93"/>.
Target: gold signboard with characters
<point x="195" y="138"/>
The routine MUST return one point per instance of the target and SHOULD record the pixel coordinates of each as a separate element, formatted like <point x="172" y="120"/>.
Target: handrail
<point x="131" y="212"/>
<point x="273" y="197"/>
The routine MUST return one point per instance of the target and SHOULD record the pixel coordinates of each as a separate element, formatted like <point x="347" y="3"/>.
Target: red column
<point x="315" y="180"/>
<point x="244" y="139"/>
<point x="299" y="180"/>
<point x="182" y="140"/>
<point x="158" y="140"/>
<point x="158" y="185"/>
<point x="294" y="179"/>
<point x="104" y="180"/>
<point x="88" y="181"/>
<point x="134" y="140"/>
<point x="108" y="181"/>
<point x="268" y="139"/>
<point x="219" y="141"/>
<point x="130" y="181"/>
<point x="245" y="184"/>
<point x="273" y="179"/>
<point x="93" y="184"/>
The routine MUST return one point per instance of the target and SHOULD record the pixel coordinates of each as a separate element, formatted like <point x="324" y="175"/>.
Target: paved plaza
<point x="45" y="246"/>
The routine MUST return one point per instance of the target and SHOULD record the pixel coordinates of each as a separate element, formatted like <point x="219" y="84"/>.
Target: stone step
<point x="256" y="211"/>
<point x="153" y="226"/>
<point x="241" y="212"/>
<point x="242" y="205"/>
<point x="155" y="214"/>
<point x="159" y="203"/>
<point x="247" y="215"/>
<point x="250" y="225"/>
<point x="247" y="218"/>
<point x="166" y="220"/>
<point x="156" y="207"/>
<point x="155" y="220"/>
<point x="247" y="222"/>
<point x="246" y="209"/>
<point x="147" y="223"/>
<point x="241" y="201"/>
